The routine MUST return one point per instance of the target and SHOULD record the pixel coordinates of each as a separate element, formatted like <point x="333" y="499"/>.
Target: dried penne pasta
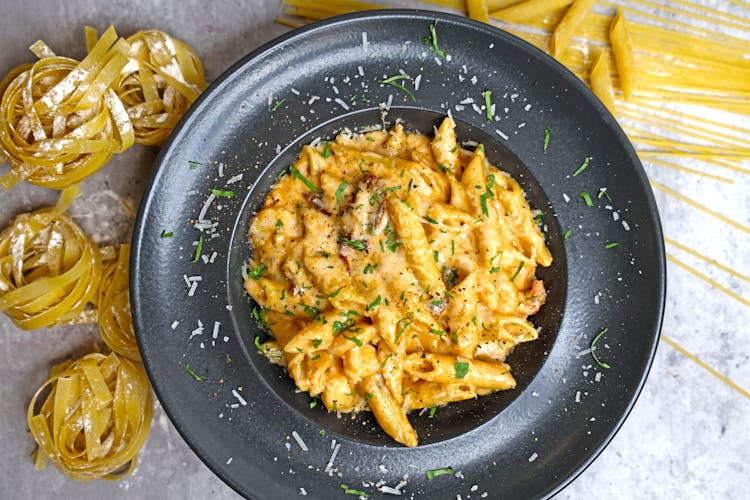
<point x="622" y="49"/>
<point x="571" y="22"/>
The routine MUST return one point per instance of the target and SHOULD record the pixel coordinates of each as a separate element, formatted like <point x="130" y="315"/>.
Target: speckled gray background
<point x="686" y="438"/>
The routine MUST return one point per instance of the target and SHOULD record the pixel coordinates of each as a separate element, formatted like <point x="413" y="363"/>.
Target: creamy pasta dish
<point x="396" y="272"/>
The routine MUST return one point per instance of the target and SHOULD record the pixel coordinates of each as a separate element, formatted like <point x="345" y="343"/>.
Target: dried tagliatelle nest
<point x="63" y="119"/>
<point x="49" y="269"/>
<point x="92" y="416"/>
<point x="115" y="320"/>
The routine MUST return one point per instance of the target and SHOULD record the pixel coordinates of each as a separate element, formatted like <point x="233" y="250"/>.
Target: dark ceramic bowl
<point x="195" y="325"/>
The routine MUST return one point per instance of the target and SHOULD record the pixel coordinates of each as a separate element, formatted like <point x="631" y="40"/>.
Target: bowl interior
<point x="451" y="420"/>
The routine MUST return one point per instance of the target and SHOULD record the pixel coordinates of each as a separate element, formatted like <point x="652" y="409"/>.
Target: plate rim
<point x="147" y="199"/>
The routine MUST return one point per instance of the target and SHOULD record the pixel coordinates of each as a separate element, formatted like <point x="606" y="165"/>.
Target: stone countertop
<point x="687" y="436"/>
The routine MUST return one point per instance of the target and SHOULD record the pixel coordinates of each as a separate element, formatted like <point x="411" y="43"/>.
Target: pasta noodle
<point x="154" y="95"/>
<point x="115" y="320"/>
<point x="49" y="270"/>
<point x="63" y="119"/>
<point x="530" y="9"/>
<point x="564" y="31"/>
<point x="622" y="48"/>
<point x="478" y="10"/>
<point x="55" y="135"/>
<point x="91" y="417"/>
<point x="601" y="83"/>
<point x="386" y="263"/>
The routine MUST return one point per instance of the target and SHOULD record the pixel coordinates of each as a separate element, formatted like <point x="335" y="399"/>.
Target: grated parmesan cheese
<point x="301" y="443"/>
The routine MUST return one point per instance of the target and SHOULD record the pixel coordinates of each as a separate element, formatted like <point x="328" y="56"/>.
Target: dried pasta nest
<point x="49" y="270"/>
<point x="61" y="121"/>
<point x="92" y="416"/>
<point x="115" y="320"/>
<point x="162" y="79"/>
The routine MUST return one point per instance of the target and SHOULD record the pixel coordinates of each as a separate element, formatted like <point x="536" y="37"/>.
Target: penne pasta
<point x="387" y="277"/>
<point x="622" y="48"/>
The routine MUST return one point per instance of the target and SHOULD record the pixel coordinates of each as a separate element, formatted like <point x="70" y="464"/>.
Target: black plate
<point x="311" y="83"/>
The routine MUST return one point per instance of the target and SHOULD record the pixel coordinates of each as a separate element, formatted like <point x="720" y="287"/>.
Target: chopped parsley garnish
<point x="583" y="166"/>
<point x="260" y="315"/>
<point x="340" y="191"/>
<point x="313" y="403"/>
<point x="229" y="360"/>
<point x="436" y="255"/>
<point x="392" y="242"/>
<point x="546" y="140"/>
<point x="593" y="349"/>
<point x="356" y="244"/>
<point x="451" y="278"/>
<point x="567" y="234"/>
<point x="354" y="339"/>
<point x="165" y="234"/>
<point x="487" y="94"/>
<point x="369" y="268"/>
<point x="432" y="412"/>
<point x="437" y="332"/>
<point x="375" y="303"/>
<point x="432" y="40"/>
<point x="326" y="150"/>
<point x="586" y="198"/>
<point x="518" y="270"/>
<point x="445" y="169"/>
<point x="495" y="270"/>
<point x="322" y="432"/>
<point x="194" y="164"/>
<point x="453" y="247"/>
<point x="462" y="368"/>
<point x="438" y="472"/>
<point x="430" y="220"/>
<point x="611" y="245"/>
<point x="385" y="360"/>
<point x="222" y="194"/>
<point x="404" y="324"/>
<point x="538" y="218"/>
<point x="604" y="192"/>
<point x="305" y="180"/>
<point x="258" y="346"/>
<point x="278" y="103"/>
<point x="393" y="81"/>
<point x="317" y="342"/>
<point x="198" y="249"/>
<point x="352" y="491"/>
<point x="313" y="312"/>
<point x="257" y="273"/>
<point x="197" y="377"/>
<point x="334" y="294"/>
<point x="487" y="194"/>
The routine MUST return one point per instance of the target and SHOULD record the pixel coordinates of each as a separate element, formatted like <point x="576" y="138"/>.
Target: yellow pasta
<point x="530" y="9"/>
<point x="379" y="259"/>
<point x="570" y="23"/>
<point x="115" y="321"/>
<point x="91" y="417"/>
<point x="477" y="9"/>
<point x="601" y="83"/>
<point x="622" y="49"/>
<point x="53" y="135"/>
<point x="154" y="94"/>
<point x="49" y="270"/>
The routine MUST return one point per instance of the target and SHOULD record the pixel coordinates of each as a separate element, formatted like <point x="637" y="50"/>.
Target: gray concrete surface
<point x="686" y="438"/>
